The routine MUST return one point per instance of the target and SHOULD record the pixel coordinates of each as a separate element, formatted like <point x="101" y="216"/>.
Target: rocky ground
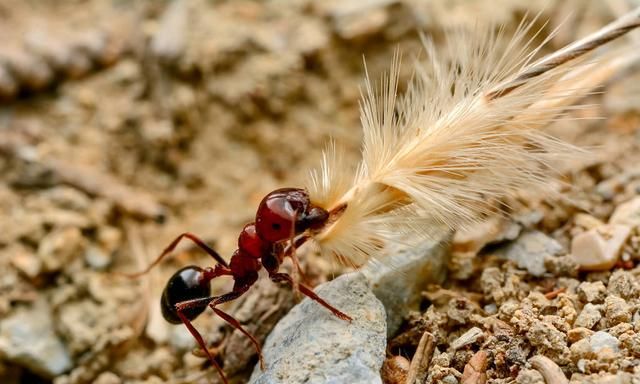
<point x="123" y="124"/>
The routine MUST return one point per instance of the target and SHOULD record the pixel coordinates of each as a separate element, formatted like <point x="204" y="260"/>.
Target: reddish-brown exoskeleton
<point x="285" y="220"/>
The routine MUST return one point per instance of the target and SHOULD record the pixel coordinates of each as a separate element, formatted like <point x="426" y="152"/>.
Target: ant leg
<point x="236" y="324"/>
<point x="290" y="251"/>
<point x="297" y="270"/>
<point x="196" y="335"/>
<point x="238" y="290"/>
<point x="199" y="242"/>
<point x="283" y="277"/>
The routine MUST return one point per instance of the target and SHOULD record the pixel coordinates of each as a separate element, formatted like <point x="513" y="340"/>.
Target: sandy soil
<point x="124" y="124"/>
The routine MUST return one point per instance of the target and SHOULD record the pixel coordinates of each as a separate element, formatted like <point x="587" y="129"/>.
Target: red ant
<point x="285" y="220"/>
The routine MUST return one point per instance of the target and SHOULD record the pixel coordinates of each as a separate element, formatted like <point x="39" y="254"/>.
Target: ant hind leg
<point x="200" y="340"/>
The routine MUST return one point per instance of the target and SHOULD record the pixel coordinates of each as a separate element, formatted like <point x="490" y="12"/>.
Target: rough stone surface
<point x="27" y="338"/>
<point x="399" y="281"/>
<point x="530" y="250"/>
<point x="589" y="316"/>
<point x="591" y="292"/>
<point x="599" y="249"/>
<point x="310" y="345"/>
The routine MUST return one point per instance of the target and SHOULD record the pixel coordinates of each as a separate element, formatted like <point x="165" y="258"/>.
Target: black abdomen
<point x="185" y="284"/>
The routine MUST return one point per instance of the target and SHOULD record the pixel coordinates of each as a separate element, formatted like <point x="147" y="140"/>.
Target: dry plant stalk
<point x="466" y="134"/>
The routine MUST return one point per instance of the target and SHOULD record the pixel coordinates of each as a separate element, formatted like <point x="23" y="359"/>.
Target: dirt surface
<point x="123" y="124"/>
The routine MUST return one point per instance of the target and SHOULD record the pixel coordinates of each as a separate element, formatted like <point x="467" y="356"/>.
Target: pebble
<point x="108" y="378"/>
<point x="59" y="248"/>
<point x="395" y="370"/>
<point x="578" y="333"/>
<point x="601" y="340"/>
<point x="97" y="258"/>
<point x="356" y="19"/>
<point x="27" y="338"/>
<point x="599" y="249"/>
<point x="627" y="213"/>
<point x="399" y="282"/>
<point x="529" y="376"/>
<point x="588" y="317"/>
<point x="623" y="284"/>
<point x="310" y="345"/>
<point x="530" y="250"/>
<point x="586" y="221"/>
<point x="591" y="292"/>
<point x="25" y="261"/>
<point x="616" y="310"/>
<point x="493" y="230"/>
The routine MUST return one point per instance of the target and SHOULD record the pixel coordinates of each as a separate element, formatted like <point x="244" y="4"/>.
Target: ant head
<point x="286" y="212"/>
<point x="186" y="284"/>
<point x="279" y="212"/>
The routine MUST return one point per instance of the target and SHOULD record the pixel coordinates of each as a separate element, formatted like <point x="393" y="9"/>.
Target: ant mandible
<point x="285" y="220"/>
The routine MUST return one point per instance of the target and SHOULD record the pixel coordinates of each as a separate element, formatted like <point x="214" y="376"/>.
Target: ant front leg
<point x="180" y="307"/>
<point x="283" y="277"/>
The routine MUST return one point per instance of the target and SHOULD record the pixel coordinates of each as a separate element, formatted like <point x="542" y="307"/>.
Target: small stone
<point x="399" y="282"/>
<point x="591" y="292"/>
<point x="27" y="338"/>
<point x="601" y="340"/>
<point x="587" y="221"/>
<point x="323" y="348"/>
<point x="623" y="284"/>
<point x="581" y="349"/>
<point x="356" y="19"/>
<point x="108" y="378"/>
<point x="25" y="261"/>
<point x="395" y="370"/>
<point x="59" y="248"/>
<point x="579" y="333"/>
<point x="616" y="310"/>
<point x="530" y="250"/>
<point x="529" y="376"/>
<point x="599" y="249"/>
<point x="627" y="213"/>
<point x="588" y="317"/>
<point x="97" y="258"/>
<point x="68" y="198"/>
<point x="493" y="230"/>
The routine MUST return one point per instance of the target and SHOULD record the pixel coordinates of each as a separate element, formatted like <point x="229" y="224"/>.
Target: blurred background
<point x="123" y="124"/>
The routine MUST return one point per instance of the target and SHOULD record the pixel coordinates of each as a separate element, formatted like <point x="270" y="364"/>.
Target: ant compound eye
<point x="278" y="213"/>
<point x="185" y="284"/>
<point x="250" y="243"/>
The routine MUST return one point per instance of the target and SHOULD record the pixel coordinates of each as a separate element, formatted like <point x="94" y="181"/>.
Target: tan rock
<point x="599" y="249"/>
<point x="627" y="213"/>
<point x="587" y="221"/>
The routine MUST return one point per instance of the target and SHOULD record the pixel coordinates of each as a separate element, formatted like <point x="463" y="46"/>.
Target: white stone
<point x="530" y="250"/>
<point x="599" y="249"/>
<point x="312" y="346"/>
<point x="404" y="273"/>
<point x="601" y="340"/>
<point x="28" y="338"/>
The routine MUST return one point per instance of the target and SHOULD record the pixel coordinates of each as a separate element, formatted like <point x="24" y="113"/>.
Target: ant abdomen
<point x="185" y="284"/>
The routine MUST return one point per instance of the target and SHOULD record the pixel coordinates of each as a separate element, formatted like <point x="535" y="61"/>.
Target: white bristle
<point x="443" y="153"/>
